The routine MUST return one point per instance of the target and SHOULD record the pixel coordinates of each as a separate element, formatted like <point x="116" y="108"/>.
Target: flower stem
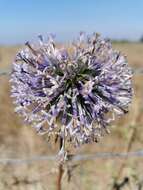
<point x="60" y="168"/>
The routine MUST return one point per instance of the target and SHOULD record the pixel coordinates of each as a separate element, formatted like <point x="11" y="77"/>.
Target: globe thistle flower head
<point x="73" y="94"/>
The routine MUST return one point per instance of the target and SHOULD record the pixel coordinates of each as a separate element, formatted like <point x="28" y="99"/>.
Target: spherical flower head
<point x="74" y="94"/>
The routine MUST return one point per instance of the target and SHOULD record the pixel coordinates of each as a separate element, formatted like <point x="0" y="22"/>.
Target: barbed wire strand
<point x="5" y="72"/>
<point x="136" y="71"/>
<point x="80" y="157"/>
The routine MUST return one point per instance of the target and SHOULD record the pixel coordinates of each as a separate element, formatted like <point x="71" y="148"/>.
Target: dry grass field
<point x="18" y="141"/>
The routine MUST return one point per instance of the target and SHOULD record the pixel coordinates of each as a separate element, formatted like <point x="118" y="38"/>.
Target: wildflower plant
<point x="76" y="93"/>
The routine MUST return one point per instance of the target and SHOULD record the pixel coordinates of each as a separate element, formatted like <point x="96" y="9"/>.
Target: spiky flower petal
<point x="75" y="94"/>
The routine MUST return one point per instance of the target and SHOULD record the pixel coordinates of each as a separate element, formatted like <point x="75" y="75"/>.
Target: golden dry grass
<point x="22" y="141"/>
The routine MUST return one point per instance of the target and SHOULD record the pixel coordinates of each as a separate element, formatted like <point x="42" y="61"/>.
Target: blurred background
<point x="122" y="22"/>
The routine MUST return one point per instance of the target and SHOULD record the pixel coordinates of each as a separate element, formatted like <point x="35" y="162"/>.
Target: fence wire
<point x="136" y="71"/>
<point x="5" y="72"/>
<point x="79" y="157"/>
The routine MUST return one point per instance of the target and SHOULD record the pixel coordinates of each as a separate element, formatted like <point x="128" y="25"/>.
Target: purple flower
<point x="75" y="94"/>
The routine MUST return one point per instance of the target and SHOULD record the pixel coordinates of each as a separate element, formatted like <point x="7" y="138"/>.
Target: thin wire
<point x="107" y="155"/>
<point x="25" y="160"/>
<point x="138" y="71"/>
<point x="135" y="71"/>
<point x="5" y="72"/>
<point x="80" y="157"/>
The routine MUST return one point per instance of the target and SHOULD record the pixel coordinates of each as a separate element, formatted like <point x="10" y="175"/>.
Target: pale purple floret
<point x="75" y="94"/>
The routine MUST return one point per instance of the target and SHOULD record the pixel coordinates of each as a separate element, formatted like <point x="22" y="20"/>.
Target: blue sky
<point x="24" y="20"/>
